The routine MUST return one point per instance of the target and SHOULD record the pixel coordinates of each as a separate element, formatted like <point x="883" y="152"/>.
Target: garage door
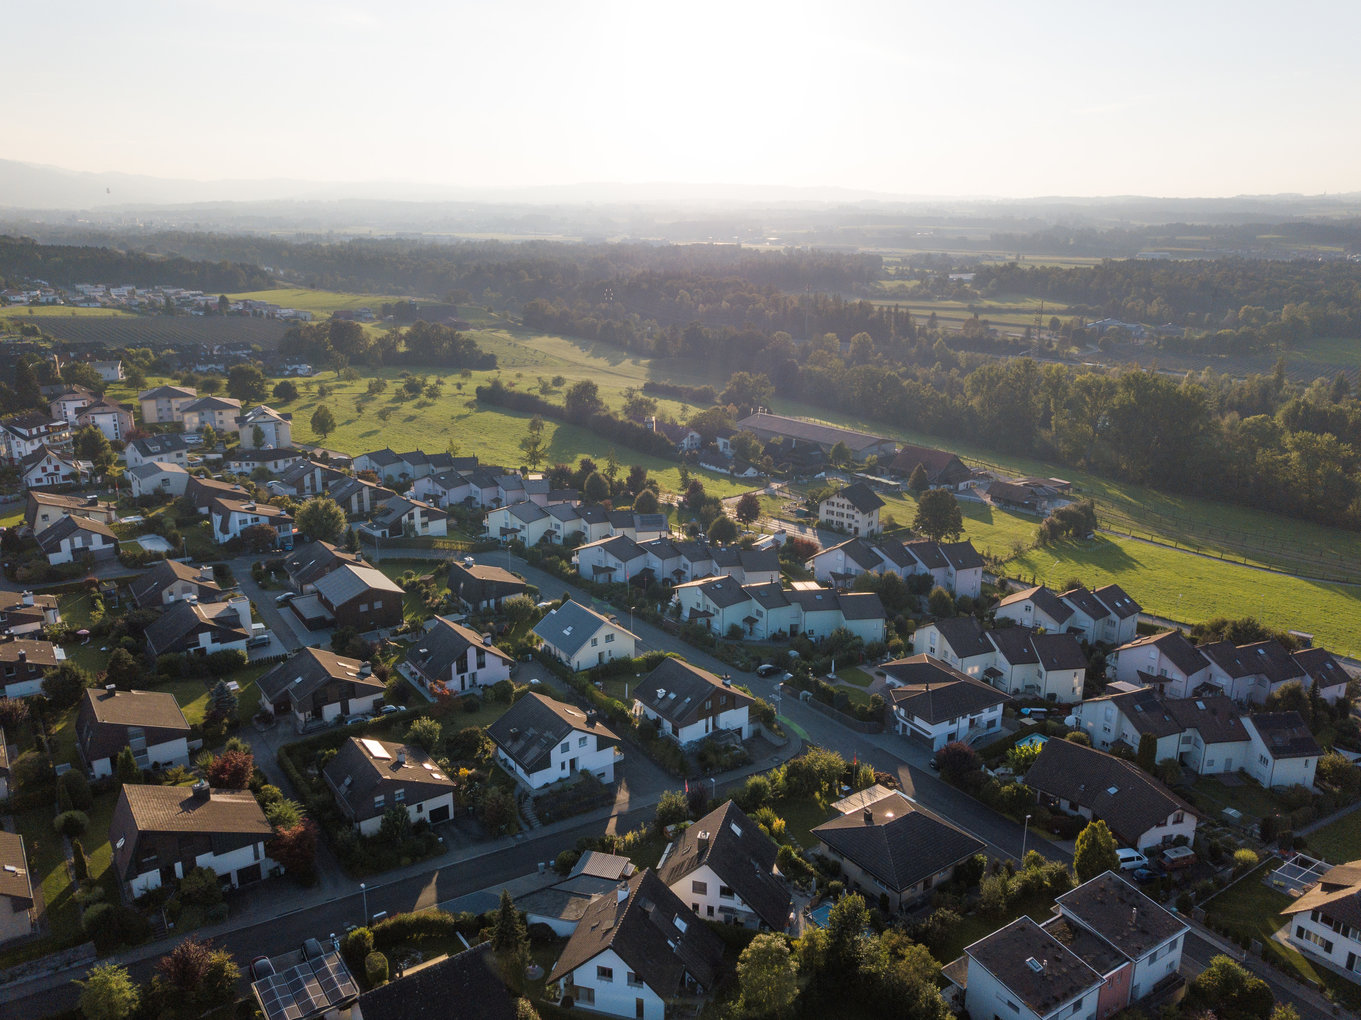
<point x="440" y="814"/>
<point x="250" y="873"/>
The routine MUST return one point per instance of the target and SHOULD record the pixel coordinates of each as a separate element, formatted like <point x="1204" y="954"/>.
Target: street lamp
<point x="363" y="891"/>
<point x="1025" y="831"/>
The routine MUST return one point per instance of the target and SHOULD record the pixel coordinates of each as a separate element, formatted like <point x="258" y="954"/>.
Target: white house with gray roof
<point x="582" y="638"/>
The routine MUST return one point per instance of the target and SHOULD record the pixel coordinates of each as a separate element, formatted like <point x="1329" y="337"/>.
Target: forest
<point x="23" y="259"/>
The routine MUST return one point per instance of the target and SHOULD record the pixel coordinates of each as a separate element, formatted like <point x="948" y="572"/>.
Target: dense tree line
<point x="582" y="406"/>
<point x="22" y="258"/>
<point x="340" y="341"/>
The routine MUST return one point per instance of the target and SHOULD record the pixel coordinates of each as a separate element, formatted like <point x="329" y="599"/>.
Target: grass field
<point x="320" y="302"/>
<point x="62" y="311"/>
<point x="1339" y="841"/>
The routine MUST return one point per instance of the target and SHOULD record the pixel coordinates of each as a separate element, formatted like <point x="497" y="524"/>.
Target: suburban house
<point x="16" y="889"/>
<point x="886" y="847"/>
<point x="724" y="866"/>
<point x="67" y="406"/>
<point x="360" y="597"/>
<point x="1205" y="734"/>
<point x="1166" y="660"/>
<point x="1106" y="615"/>
<point x="938" y="704"/>
<point x="426" y="993"/>
<point x="689" y="704"/>
<point x="746" y="566"/>
<point x="24" y="434"/>
<point x="317" y="687"/>
<point x="23" y="613"/>
<point x="525" y="521"/>
<point x="201" y="628"/>
<point x="1252" y="672"/>
<point x="399" y="517"/>
<point x="540" y="741"/>
<point x="167" y="448"/>
<point x="446" y="489"/>
<point x="171" y="581"/>
<point x="481" y="586"/>
<point x="24" y="663"/>
<point x="582" y="638"/>
<point x="1139" y="810"/>
<point x="944" y="470"/>
<point x="202" y="490"/>
<point x="637" y="952"/>
<point x="1018" y="660"/>
<point x="114" y="420"/>
<point x="161" y="833"/>
<point x="149" y="722"/>
<point x="1282" y="751"/>
<point x="371" y="777"/>
<point x="44" y="509"/>
<point x="162" y="405"/>
<point x="358" y="497"/>
<point x="1325" y="921"/>
<point x="74" y="539"/>
<point x="48" y="465"/>
<point x="230" y="517"/>
<point x="673" y="562"/>
<point x="243" y="461"/>
<point x="765" y="611"/>
<point x="854" y="508"/>
<point x="1023" y="971"/>
<point x="802" y="432"/>
<point x="219" y="412"/>
<point x="109" y="371"/>
<point x="1036" y="607"/>
<point x="308" y="563"/>
<point x="954" y="566"/>
<point x="157" y="478"/>
<point x="639" y="527"/>
<point x="615" y="559"/>
<point x="306" y="477"/>
<point x="450" y="658"/>
<point x="277" y="428"/>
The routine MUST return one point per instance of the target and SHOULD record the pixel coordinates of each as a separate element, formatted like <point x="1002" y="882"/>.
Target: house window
<point x="581" y="741"/>
<point x="634" y="980"/>
<point x="1325" y="944"/>
<point x="604" y="973"/>
<point x="363" y="607"/>
<point x="608" y="639"/>
<point x="586" y="995"/>
<point x="399" y="796"/>
<point x="1179" y="817"/>
<point x="377" y="603"/>
<point x="724" y="893"/>
<point x="481" y="659"/>
<point x="378" y="802"/>
<point x="594" y="642"/>
<point x="699" y="888"/>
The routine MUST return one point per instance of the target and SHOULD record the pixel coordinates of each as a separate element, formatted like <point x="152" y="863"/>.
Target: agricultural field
<point x="118" y="329"/>
<point x="319" y="302"/>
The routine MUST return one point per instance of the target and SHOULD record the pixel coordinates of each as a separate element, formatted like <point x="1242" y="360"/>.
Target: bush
<point x="376" y="969"/>
<point x="77" y="789"/>
<point x="356" y="947"/>
<point x="1243" y="860"/>
<point x="71" y="823"/>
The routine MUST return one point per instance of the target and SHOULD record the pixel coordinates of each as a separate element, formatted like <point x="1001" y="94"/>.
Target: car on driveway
<point x="1131" y="859"/>
<point x="261" y="968"/>
<point x="1145" y="875"/>
<point x="766" y="669"/>
<point x="279" y="600"/>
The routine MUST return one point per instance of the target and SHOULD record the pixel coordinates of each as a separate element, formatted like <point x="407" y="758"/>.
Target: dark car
<point x="261" y="968"/>
<point x="766" y="669"/>
<point x="1145" y="875"/>
<point x="935" y="765"/>
<point x="311" y="950"/>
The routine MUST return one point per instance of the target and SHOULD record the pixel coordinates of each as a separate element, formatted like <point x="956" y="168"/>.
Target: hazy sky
<point x="1014" y="98"/>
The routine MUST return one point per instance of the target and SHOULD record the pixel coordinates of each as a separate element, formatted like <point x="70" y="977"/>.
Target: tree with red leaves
<point x="296" y="849"/>
<point x="231" y="770"/>
<point x="193" y="978"/>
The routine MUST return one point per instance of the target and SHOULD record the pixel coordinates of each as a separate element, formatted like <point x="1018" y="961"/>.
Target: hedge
<point x="392" y="932"/>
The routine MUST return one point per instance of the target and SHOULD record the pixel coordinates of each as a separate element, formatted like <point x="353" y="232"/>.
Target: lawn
<point x="1190" y="588"/>
<point x="855" y="676"/>
<point x="1251" y="908"/>
<point x="1339" y="841"/>
<point x="801" y="816"/>
<point x="321" y="302"/>
<point x="1251" y="799"/>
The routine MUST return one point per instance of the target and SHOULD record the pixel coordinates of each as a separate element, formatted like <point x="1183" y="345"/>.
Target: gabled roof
<point x="154" y="468"/>
<point x="1119" y="603"/>
<point x="167" y="393"/>
<point x="180" y="809"/>
<point x="311" y="669"/>
<point x="1284" y="734"/>
<point x="1129" y="800"/>
<point x="1121" y="914"/>
<point x="1214" y="716"/>
<point x="350" y="581"/>
<point x="1086" y="602"/>
<point x="1173" y="645"/>
<point x="677" y="691"/>
<point x="739" y="853"/>
<point x="965" y="636"/>
<point x="860" y="496"/>
<point x="1033" y="965"/>
<point x="308" y="562"/>
<point x="569" y="627"/>
<point x="50" y="539"/>
<point x="1320" y="665"/>
<point x="935" y="692"/>
<point x="481" y="582"/>
<point x="651" y="930"/>
<point x="263" y="413"/>
<point x="897" y="844"/>
<point x="182" y="618"/>
<point x="962" y="555"/>
<point x="364" y="768"/>
<point x="534" y="725"/>
<point x="927" y="553"/>
<point x="621" y="547"/>
<point x="443" y="644"/>
<point x="1144" y="709"/>
<point x="469" y="979"/>
<point x="1044" y="600"/>
<point x="1272" y="661"/>
<point x="104" y="717"/>
<point x="1337" y="894"/>
<point x="152" y="447"/>
<point x="210" y="404"/>
<point x="35" y="653"/>
<point x="16" y="882"/>
<point x="857" y="550"/>
<point x="723" y="591"/>
<point x="941" y="466"/>
<point x="43" y="452"/>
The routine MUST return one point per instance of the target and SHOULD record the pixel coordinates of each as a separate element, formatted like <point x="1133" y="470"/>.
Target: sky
<point x="1196" y="98"/>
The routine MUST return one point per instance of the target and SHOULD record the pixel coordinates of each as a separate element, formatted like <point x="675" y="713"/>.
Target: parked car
<point x="1175" y="857"/>
<point x="311" y="950"/>
<point x="766" y="669"/>
<point x="389" y="710"/>
<point x="1131" y="859"/>
<point x="261" y="968"/>
<point x="1145" y="875"/>
<point x="279" y="600"/>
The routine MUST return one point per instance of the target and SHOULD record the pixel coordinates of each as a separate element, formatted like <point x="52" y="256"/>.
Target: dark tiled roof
<point x="1120" y="914"/>
<point x="364" y="768"/>
<point x="183" y="618"/>
<point x="1319" y="665"/>
<point x="466" y="982"/>
<point x="143" y="810"/>
<point x="941" y="466"/>
<point x="861" y="606"/>
<point x="1119" y="603"/>
<point x="1045" y="601"/>
<point x="964" y="635"/>
<point x="534" y="725"/>
<point x="897" y="844"/>
<point x="308" y="562"/>
<point x="1034" y="966"/>
<point x="16" y="884"/>
<point x="1058" y="651"/>
<point x="860" y="496"/>
<point x="1272" y="661"/>
<point x="684" y="690"/>
<point x="1215" y="717"/>
<point x="1337" y="894"/>
<point x="444" y="644"/>
<point x="858" y="551"/>
<point x="651" y="930"/>
<point x="313" y="668"/>
<point x="1145" y="711"/>
<point x="962" y="555"/>
<point x="723" y="591"/>
<point x="147" y="588"/>
<point x="50" y="539"/>
<point x="104" y="717"/>
<point x="1117" y="791"/>
<point x="1081" y="598"/>
<point x="1085" y="944"/>
<point x="480" y="583"/>
<point x="1174" y="646"/>
<point x="936" y="692"/>
<point x="1285" y="735"/>
<point x="739" y="853"/>
<point x="570" y="626"/>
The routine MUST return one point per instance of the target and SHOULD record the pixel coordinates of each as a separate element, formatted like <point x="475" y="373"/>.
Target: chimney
<point x="869" y="816"/>
<point x="242" y="606"/>
<point x="23" y="655"/>
<point x="26" y="599"/>
<point x="205" y="572"/>
<point x="590" y="718"/>
<point x="401" y="757"/>
<point x="486" y="640"/>
<point x="1133" y="916"/>
<point x="622" y="893"/>
<point x="110" y="688"/>
<point x="366" y="669"/>
<point x="201" y="790"/>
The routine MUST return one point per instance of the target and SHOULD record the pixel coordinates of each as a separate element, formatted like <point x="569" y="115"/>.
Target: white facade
<point x="608" y="643"/>
<point x="838" y="512"/>
<point x="1271" y="771"/>
<point x="710" y="899"/>
<point x="941" y="733"/>
<point x="1337" y="942"/>
<point x="80" y="543"/>
<point x="169" y="478"/>
<point x="732" y="719"/>
<point x="416" y="810"/>
<point x="168" y="753"/>
<point x="579" y="751"/>
<point x="604" y="984"/>
<point x="226" y="865"/>
<point x="988" y="997"/>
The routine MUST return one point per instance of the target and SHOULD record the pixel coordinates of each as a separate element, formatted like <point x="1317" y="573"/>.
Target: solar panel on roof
<point x="375" y="749"/>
